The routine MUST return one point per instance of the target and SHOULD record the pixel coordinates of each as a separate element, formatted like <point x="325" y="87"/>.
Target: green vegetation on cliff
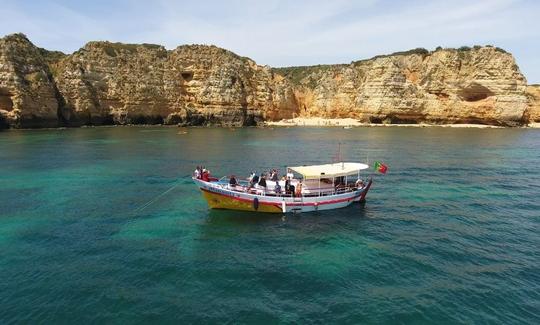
<point x="297" y="74"/>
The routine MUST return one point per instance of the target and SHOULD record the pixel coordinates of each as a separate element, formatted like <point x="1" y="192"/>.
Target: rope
<point x="147" y="204"/>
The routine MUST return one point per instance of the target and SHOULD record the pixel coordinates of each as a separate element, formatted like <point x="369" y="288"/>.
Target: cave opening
<point x="474" y="92"/>
<point x="6" y="103"/>
<point x="187" y="75"/>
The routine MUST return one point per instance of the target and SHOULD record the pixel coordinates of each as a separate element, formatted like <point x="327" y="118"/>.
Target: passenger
<point x="290" y="175"/>
<point x="289" y="189"/>
<point x="262" y="182"/>
<point x="359" y="183"/>
<point x="232" y="181"/>
<point x="205" y="175"/>
<point x="255" y="179"/>
<point x="277" y="188"/>
<point x="275" y="176"/>
<point x="197" y="172"/>
<point x="298" y="191"/>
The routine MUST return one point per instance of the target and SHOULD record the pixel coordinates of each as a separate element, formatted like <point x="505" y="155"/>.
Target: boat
<point x="313" y="188"/>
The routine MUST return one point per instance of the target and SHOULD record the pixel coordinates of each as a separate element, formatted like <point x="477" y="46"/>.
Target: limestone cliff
<point x="28" y="96"/>
<point x="193" y="84"/>
<point x="106" y="83"/>
<point x="114" y="83"/>
<point x="468" y="85"/>
<point x="533" y="91"/>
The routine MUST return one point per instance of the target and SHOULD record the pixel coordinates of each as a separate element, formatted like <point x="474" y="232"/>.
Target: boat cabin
<point x="309" y="181"/>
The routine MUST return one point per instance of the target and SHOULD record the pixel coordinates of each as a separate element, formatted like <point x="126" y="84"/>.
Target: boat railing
<point x="243" y="187"/>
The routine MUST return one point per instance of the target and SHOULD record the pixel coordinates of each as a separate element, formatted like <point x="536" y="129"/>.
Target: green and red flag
<point x="380" y="167"/>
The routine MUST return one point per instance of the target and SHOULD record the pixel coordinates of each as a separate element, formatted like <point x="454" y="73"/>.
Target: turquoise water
<point x="449" y="235"/>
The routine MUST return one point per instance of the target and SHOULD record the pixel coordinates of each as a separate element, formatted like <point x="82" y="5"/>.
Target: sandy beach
<point x="350" y="122"/>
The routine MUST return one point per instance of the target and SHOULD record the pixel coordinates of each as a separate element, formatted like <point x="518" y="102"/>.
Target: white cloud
<point x="279" y="32"/>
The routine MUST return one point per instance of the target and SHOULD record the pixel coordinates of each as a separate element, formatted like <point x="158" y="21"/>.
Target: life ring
<point x="256" y="204"/>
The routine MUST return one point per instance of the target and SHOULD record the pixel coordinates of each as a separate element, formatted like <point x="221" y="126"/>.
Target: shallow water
<point x="450" y="234"/>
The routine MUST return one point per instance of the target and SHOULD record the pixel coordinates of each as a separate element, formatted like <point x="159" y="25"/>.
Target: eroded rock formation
<point x="478" y="85"/>
<point x="533" y="91"/>
<point x="106" y="83"/>
<point x="28" y="96"/>
<point x="113" y="83"/>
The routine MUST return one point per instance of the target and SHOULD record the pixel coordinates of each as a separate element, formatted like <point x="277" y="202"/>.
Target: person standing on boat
<point x="289" y="189"/>
<point x="254" y="179"/>
<point x="290" y="175"/>
<point x="262" y="182"/>
<point x="197" y="172"/>
<point x="274" y="177"/>
<point x="298" y="191"/>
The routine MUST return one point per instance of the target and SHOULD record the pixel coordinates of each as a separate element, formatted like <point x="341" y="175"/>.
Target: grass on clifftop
<point x="51" y="56"/>
<point x="296" y="74"/>
<point x="112" y="48"/>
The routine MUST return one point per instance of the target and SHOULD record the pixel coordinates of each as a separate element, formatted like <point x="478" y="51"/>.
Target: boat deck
<point x="328" y="190"/>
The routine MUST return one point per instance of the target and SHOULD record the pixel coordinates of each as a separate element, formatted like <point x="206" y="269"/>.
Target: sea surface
<point x="103" y="225"/>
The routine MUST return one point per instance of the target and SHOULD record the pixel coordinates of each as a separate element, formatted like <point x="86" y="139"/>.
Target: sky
<point x="286" y="33"/>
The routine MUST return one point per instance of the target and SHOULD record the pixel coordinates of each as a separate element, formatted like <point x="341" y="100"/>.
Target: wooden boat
<point x="316" y="188"/>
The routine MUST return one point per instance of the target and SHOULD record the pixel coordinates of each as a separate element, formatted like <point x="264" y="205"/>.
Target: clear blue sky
<point x="283" y="33"/>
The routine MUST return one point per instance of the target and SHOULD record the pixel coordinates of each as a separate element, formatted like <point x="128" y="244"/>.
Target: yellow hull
<point x="218" y="201"/>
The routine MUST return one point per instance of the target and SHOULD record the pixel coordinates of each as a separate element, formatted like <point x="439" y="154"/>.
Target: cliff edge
<point x="115" y="83"/>
<point x="468" y="85"/>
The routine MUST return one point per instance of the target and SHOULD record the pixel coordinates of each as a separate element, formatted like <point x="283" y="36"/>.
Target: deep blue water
<point x="449" y="235"/>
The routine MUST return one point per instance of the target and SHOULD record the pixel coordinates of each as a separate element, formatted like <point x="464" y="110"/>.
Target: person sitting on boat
<point x="205" y="175"/>
<point x="277" y="188"/>
<point x="232" y="181"/>
<point x="359" y="183"/>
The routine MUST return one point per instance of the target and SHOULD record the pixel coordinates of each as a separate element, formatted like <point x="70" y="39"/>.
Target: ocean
<point x="104" y="225"/>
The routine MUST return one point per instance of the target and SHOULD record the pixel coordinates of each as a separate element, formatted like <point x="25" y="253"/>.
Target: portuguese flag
<point x="380" y="167"/>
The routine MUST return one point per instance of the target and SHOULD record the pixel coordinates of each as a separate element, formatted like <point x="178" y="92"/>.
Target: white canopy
<point x="329" y="170"/>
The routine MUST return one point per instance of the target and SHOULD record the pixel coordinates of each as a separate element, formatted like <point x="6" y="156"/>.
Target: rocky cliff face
<point x="478" y="85"/>
<point x="106" y="83"/>
<point x="533" y="92"/>
<point x="113" y="83"/>
<point x="121" y="83"/>
<point x="28" y="96"/>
